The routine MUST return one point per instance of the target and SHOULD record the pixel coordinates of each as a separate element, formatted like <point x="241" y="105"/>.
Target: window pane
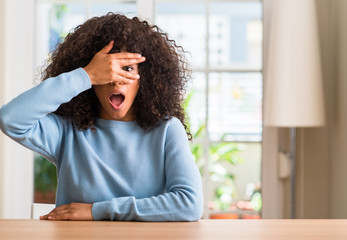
<point x="129" y="9"/>
<point x="185" y="23"/>
<point x="236" y="35"/>
<point x="235" y="179"/>
<point x="196" y="101"/>
<point x="54" y="22"/>
<point x="235" y="106"/>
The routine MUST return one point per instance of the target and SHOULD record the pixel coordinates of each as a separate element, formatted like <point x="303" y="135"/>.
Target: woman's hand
<point x="107" y="68"/>
<point x="71" y="211"/>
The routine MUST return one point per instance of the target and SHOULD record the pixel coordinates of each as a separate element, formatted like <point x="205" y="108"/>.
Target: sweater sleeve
<point x="183" y="200"/>
<point x="28" y="118"/>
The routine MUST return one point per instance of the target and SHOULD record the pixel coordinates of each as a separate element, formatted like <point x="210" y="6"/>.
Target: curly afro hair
<point x="164" y="74"/>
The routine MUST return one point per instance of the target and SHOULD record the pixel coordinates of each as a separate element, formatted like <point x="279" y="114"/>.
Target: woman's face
<point x="116" y="100"/>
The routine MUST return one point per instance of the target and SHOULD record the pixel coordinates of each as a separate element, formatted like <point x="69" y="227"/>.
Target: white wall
<point x="16" y="163"/>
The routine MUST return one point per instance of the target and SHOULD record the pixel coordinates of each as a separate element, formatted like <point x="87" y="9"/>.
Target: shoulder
<point x="175" y="129"/>
<point x="172" y="123"/>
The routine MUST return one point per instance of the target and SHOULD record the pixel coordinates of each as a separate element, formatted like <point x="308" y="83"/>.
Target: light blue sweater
<point x="126" y="172"/>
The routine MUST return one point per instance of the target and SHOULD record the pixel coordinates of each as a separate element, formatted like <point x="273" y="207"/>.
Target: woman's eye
<point x="128" y="68"/>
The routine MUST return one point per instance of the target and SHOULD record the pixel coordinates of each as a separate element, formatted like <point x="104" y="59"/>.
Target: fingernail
<point x="139" y="55"/>
<point x="137" y="76"/>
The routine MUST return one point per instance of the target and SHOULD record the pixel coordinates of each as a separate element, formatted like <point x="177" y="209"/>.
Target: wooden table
<point x="205" y="229"/>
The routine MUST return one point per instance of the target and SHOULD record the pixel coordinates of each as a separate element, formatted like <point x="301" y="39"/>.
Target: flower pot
<point x="224" y="216"/>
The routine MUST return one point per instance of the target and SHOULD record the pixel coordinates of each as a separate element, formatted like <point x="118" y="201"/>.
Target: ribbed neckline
<point x="113" y="123"/>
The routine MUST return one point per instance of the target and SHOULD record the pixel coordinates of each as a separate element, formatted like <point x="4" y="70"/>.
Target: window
<point x="224" y="44"/>
<point x="224" y="100"/>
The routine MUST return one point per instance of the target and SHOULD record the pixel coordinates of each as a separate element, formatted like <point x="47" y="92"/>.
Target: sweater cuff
<point x="84" y="75"/>
<point x="100" y="210"/>
<point x="121" y="208"/>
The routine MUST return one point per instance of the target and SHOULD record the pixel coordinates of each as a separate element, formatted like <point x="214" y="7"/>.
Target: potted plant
<point x="45" y="180"/>
<point x="221" y="155"/>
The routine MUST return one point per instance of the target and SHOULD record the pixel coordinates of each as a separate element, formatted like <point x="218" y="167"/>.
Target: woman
<point x="109" y="115"/>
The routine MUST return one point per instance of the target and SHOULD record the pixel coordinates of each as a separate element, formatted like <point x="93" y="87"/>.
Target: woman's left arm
<point x="182" y="202"/>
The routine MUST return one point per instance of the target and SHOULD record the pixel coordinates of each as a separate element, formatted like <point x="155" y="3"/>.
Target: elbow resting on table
<point x="195" y="213"/>
<point x="194" y="209"/>
<point x="3" y="120"/>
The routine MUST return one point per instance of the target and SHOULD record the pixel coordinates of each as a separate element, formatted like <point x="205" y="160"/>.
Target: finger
<point x="57" y="217"/>
<point x="127" y="55"/>
<point x="44" y="217"/>
<point x="60" y="212"/>
<point x="107" y="48"/>
<point x="127" y="75"/>
<point x="123" y="80"/>
<point x="57" y="209"/>
<point x="52" y="212"/>
<point x="131" y="61"/>
<point x="64" y="215"/>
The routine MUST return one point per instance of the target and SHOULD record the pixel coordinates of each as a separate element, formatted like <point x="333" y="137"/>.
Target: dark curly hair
<point x="164" y="74"/>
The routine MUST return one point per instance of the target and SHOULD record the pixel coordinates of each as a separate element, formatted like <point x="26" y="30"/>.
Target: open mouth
<point x="117" y="100"/>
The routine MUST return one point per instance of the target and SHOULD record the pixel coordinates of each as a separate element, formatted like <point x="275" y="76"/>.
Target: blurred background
<point x="227" y="44"/>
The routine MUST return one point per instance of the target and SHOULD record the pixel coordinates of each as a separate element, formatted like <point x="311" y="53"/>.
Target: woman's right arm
<point x="27" y="119"/>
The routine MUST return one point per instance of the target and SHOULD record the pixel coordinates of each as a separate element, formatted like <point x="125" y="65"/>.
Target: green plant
<point x="45" y="175"/>
<point x="221" y="155"/>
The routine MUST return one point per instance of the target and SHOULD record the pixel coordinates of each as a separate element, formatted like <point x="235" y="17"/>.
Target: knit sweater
<point x="126" y="172"/>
